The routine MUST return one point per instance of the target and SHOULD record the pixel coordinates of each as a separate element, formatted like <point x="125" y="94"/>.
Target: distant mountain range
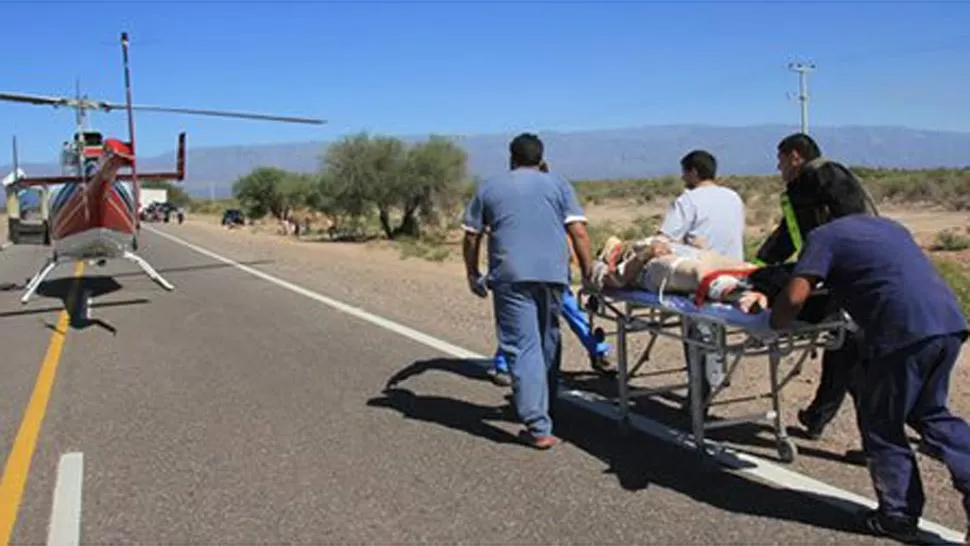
<point x="617" y="153"/>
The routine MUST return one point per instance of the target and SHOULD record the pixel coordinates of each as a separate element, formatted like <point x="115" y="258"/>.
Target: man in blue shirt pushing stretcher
<point x="912" y="329"/>
<point x="528" y="214"/>
<point x="593" y="340"/>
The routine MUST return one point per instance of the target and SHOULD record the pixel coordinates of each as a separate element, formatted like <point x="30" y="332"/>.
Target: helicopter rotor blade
<point x="216" y="113"/>
<point x="37" y="99"/>
<point x="108" y="106"/>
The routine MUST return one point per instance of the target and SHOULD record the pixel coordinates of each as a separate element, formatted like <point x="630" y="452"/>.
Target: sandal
<point x="538" y="442"/>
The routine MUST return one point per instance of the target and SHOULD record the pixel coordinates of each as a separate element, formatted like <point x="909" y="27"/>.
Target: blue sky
<point x="480" y="67"/>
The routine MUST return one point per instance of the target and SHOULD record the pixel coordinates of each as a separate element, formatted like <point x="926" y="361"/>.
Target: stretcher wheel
<point x="787" y="450"/>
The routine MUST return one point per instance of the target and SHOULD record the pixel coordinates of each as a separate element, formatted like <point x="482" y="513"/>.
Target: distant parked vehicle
<point x="152" y="213"/>
<point x="233" y="217"/>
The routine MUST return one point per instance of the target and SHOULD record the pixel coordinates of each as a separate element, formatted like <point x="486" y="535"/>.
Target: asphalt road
<point x="233" y="411"/>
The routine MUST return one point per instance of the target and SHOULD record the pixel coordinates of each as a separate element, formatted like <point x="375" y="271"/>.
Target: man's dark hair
<point x="526" y="150"/>
<point x="801" y="143"/>
<point x="702" y="162"/>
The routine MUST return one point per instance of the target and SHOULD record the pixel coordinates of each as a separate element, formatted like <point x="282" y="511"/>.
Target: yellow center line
<point x="18" y="462"/>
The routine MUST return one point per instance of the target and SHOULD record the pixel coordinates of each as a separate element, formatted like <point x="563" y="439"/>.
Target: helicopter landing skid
<point x="48" y="267"/>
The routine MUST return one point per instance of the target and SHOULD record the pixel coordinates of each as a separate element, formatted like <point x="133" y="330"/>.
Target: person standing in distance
<point x="528" y="214"/>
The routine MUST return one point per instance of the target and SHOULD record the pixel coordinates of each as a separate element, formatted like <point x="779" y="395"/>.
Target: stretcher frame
<point x="663" y="320"/>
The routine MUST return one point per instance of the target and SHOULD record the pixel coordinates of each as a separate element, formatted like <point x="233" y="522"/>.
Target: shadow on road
<point x="742" y="436"/>
<point x="190" y="268"/>
<point x="638" y="461"/>
<point x="448" y="412"/>
<point x="470" y="368"/>
<point x="73" y="291"/>
<point x="455" y="414"/>
<point x="52" y="309"/>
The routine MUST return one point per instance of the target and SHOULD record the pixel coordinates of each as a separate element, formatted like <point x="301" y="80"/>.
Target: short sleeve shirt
<point x="715" y="213"/>
<point x="525" y="212"/>
<point x="884" y="281"/>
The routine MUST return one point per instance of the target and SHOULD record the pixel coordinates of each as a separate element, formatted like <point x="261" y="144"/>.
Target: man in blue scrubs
<point x="594" y="341"/>
<point x="912" y="331"/>
<point x="529" y="214"/>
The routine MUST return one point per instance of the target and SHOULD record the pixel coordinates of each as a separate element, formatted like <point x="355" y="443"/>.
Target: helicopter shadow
<point x="190" y="268"/>
<point x="79" y="297"/>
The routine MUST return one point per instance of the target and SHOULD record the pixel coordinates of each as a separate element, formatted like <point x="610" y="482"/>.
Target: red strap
<point x="701" y="294"/>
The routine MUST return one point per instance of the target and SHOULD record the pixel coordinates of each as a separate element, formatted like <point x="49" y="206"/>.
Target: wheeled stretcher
<point x="735" y="336"/>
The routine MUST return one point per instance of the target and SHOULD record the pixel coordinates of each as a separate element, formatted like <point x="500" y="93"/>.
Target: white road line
<point x="741" y="462"/>
<point x="65" y="523"/>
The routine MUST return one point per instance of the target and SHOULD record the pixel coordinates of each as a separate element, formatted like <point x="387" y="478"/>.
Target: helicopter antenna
<point x="78" y="110"/>
<point x="16" y="162"/>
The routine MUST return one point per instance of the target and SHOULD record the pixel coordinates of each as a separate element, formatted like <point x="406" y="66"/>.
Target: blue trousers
<point x="576" y="319"/>
<point x="528" y="332"/>
<point x="910" y="386"/>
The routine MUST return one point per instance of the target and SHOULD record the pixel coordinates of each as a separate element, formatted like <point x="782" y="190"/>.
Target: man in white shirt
<point x="711" y="216"/>
<point x="706" y="212"/>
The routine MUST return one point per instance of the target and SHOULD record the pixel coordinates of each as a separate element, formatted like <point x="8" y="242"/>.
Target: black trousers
<point x="838" y="374"/>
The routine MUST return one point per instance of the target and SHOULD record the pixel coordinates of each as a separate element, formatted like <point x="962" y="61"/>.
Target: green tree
<point x="296" y="191"/>
<point x="274" y="191"/>
<point x="362" y="172"/>
<point x="338" y="199"/>
<point x="436" y="171"/>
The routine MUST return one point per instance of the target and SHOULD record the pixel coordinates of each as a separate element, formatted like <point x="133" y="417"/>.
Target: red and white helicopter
<point x="93" y="209"/>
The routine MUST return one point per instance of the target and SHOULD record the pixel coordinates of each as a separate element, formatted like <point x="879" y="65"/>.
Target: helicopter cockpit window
<point x="92" y="139"/>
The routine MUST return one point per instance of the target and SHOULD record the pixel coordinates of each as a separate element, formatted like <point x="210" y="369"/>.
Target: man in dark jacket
<point x="817" y="191"/>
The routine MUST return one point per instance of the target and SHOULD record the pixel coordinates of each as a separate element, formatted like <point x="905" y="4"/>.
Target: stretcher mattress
<point x="724" y="312"/>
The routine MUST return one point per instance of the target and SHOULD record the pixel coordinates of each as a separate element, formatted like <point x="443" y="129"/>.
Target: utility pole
<point x="802" y="69"/>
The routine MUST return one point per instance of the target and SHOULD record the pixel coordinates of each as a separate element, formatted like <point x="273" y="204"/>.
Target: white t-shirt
<point x="715" y="213"/>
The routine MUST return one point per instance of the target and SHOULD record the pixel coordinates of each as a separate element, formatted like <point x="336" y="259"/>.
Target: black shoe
<point x="601" y="365"/>
<point x="901" y="528"/>
<point x="812" y="429"/>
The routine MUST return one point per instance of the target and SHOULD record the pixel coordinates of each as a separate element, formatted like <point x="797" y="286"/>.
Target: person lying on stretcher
<point x="657" y="265"/>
